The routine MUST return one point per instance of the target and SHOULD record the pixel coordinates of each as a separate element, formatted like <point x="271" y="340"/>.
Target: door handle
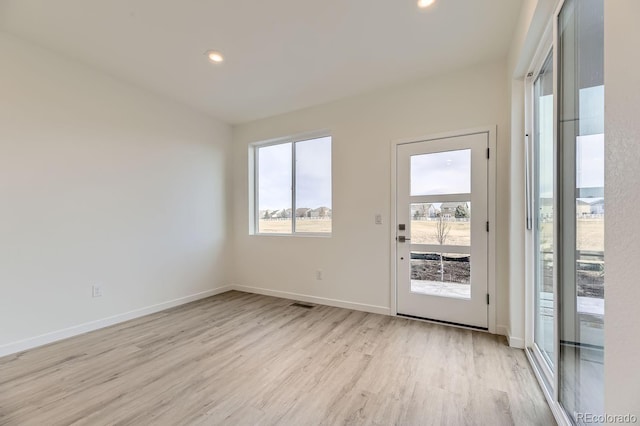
<point x="402" y="239"/>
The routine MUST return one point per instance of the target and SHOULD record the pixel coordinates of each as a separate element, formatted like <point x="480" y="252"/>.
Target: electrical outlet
<point x="319" y="275"/>
<point x="378" y="219"/>
<point x="96" y="291"/>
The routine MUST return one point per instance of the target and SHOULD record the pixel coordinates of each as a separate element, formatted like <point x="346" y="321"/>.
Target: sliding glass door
<point x="566" y="210"/>
<point x="581" y="142"/>
<point x="543" y="216"/>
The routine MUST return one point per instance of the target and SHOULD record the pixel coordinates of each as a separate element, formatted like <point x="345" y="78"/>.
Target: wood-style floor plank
<point x="246" y="359"/>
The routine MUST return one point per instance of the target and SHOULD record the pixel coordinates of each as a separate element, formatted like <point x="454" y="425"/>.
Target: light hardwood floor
<point x="244" y="359"/>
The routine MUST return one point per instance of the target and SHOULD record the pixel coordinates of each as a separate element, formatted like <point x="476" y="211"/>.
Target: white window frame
<point x="254" y="204"/>
<point x="546" y="46"/>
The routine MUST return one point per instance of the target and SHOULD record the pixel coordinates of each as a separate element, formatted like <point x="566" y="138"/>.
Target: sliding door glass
<point x="543" y="196"/>
<point x="581" y="150"/>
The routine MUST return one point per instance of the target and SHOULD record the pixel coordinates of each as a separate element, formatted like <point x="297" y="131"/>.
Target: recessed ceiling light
<point x="215" y="56"/>
<point x="423" y="4"/>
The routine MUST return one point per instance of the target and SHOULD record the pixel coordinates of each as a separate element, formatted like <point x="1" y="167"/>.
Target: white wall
<point x="356" y="259"/>
<point x="622" y="198"/>
<point x="101" y="183"/>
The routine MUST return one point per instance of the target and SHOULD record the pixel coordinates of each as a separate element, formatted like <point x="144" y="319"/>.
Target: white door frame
<point x="491" y="190"/>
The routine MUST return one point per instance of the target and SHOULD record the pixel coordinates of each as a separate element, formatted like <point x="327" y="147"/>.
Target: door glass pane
<point x="441" y="274"/>
<point x="274" y="189"/>
<point x="441" y="223"/>
<point x="543" y="207"/>
<point x="440" y="173"/>
<point x="581" y="139"/>
<point x="313" y="185"/>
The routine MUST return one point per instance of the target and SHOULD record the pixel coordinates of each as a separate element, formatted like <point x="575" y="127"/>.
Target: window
<point x="292" y="187"/>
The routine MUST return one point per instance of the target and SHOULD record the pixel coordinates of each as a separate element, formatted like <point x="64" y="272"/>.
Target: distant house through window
<point x="292" y="186"/>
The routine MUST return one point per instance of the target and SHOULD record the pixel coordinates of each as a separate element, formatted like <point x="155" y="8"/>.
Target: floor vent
<point x="302" y="305"/>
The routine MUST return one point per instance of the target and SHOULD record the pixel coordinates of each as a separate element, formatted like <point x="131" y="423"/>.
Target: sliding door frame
<point x="548" y="378"/>
<point x="545" y="48"/>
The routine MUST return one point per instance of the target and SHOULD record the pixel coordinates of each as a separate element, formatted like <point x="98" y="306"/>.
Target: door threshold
<point x="454" y="324"/>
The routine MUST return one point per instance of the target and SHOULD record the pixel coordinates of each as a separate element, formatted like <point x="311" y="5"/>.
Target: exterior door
<point x="442" y="229"/>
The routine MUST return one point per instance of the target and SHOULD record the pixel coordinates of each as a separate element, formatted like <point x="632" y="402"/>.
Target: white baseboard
<point x="54" y="336"/>
<point x="514" y="342"/>
<point x="383" y="310"/>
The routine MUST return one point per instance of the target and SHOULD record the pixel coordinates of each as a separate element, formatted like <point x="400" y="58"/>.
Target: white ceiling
<point x="280" y="55"/>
